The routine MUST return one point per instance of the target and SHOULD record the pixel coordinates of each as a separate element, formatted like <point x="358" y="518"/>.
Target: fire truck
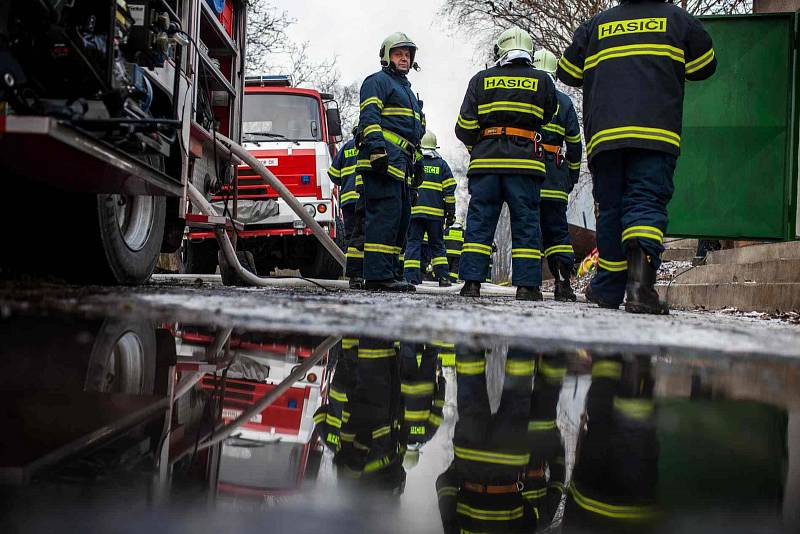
<point x="109" y="115"/>
<point x="293" y="132"/>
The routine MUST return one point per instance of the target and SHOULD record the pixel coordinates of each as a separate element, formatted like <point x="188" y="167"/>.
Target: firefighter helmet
<point x="429" y="141"/>
<point x="397" y="40"/>
<point x="514" y="38"/>
<point x="545" y="60"/>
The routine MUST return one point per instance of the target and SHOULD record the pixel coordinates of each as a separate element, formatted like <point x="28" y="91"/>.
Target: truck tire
<point x="323" y="265"/>
<point x="198" y="257"/>
<point x="123" y="358"/>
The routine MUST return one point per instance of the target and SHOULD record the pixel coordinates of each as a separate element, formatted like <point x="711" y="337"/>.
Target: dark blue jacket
<point x="343" y="173"/>
<point x="563" y="128"/>
<point x="388" y="106"/>
<point x="437" y="192"/>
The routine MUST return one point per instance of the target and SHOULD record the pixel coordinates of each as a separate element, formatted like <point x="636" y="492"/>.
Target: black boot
<point x="529" y="293"/>
<point x="356" y="282"/>
<point x="563" y="291"/>
<point x="444" y="282"/>
<point x="591" y="297"/>
<point x="471" y="289"/>
<point x="393" y="286"/>
<point x="641" y="295"/>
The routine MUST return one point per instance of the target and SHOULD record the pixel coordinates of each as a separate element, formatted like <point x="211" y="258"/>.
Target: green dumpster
<point x="737" y="177"/>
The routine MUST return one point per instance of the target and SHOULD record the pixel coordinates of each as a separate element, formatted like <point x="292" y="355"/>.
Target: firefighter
<point x="343" y="173"/>
<point x="632" y="61"/>
<point x="422" y="392"/>
<point x="481" y="491"/>
<point x="390" y="126"/>
<point x="563" y="172"/>
<point x="453" y="241"/>
<point x="503" y="108"/>
<point x="435" y="205"/>
<point x="328" y="418"/>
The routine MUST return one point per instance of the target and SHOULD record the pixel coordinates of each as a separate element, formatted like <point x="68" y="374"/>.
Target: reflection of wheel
<point x="123" y="358"/>
<point x="323" y="265"/>
<point x="198" y="257"/>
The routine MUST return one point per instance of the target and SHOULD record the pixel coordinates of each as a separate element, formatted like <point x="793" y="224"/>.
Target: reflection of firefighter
<point x="482" y="490"/>
<point x="422" y="392"/>
<point x="329" y="417"/>
<point x="613" y="484"/>
<point x="546" y="444"/>
<point x="370" y="449"/>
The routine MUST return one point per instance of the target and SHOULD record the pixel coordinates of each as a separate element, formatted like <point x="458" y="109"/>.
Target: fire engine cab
<point x="293" y="132"/>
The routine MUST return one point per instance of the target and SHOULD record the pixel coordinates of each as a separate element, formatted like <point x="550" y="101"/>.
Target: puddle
<point x="125" y="425"/>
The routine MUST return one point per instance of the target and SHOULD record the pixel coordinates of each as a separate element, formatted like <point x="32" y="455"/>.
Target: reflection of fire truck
<point x="293" y="132"/>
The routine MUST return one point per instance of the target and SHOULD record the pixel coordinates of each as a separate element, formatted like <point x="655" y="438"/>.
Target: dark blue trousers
<point x="555" y="233"/>
<point x="388" y="212"/>
<point x="354" y="229"/>
<point x="413" y="257"/>
<point x="488" y="194"/>
<point x="632" y="187"/>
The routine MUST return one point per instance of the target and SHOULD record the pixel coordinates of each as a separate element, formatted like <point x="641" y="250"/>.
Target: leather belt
<point x="497" y="131"/>
<point x="474" y="487"/>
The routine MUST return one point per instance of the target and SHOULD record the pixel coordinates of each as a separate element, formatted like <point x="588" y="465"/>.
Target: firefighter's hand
<point x="419" y="174"/>
<point x="379" y="161"/>
<point x="573" y="180"/>
<point x="414" y="195"/>
<point x="449" y="219"/>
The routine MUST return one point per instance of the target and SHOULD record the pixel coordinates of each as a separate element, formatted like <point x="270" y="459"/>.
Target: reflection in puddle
<point x="387" y="435"/>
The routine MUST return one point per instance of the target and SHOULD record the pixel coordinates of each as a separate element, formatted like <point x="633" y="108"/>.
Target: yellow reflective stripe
<point x="555" y="194"/>
<point x="638" y="409"/>
<point x="399" y="112"/>
<point x="449" y="200"/>
<point x="699" y="63"/>
<point x="345" y="416"/>
<point x="397" y="173"/>
<point x="449" y="358"/>
<point x="574" y="138"/>
<point x="359" y="180"/>
<point x="354" y="253"/>
<point x="471" y="368"/>
<point x="411" y="264"/>
<point x="453" y="252"/>
<point x="377" y="465"/>
<point x="559" y="249"/>
<point x="425" y="388"/>
<point x="347" y="437"/>
<point x="504" y="163"/>
<point x="571" y="69"/>
<point x="435" y="419"/>
<point x="383" y="249"/>
<point x="372" y="100"/>
<point x="439" y="260"/>
<point x="337" y="395"/>
<point x="373" y="354"/>
<point x="534" y="494"/>
<point x="398" y="140"/>
<point x="427" y="210"/>
<point x="417" y="415"/>
<point x="538" y="426"/>
<point x="516" y="107"/>
<point x="555" y="128"/>
<point x="318" y="418"/>
<point x="611" y="510"/>
<point x="533" y="253"/>
<point x="574" y="166"/>
<point x="492" y="457"/>
<point x="433" y="186"/>
<point x="489" y="515"/>
<point x="350" y="195"/>
<point x="454" y="235"/>
<point x="333" y="421"/>
<point x="648" y="49"/>
<point x="633" y="132"/>
<point x="477" y="248"/>
<point x="467" y="124"/>
<point x="447" y="491"/>
<point x="448" y="182"/>
<point x="647" y="232"/>
<point x="347" y="170"/>
<point x="382" y="431"/>
<point x="372" y="128"/>
<point x="518" y="368"/>
<point x="443" y="345"/>
<point x="613" y="266"/>
<point x="349" y="343"/>
<point x="333" y="171"/>
<point x="606" y="369"/>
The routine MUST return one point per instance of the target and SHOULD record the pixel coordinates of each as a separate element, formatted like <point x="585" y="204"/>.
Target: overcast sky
<point x="353" y="31"/>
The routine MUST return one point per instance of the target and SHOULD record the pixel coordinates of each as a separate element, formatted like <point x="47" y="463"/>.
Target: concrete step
<point x="763" y="272"/>
<point x="678" y="254"/>
<point x="744" y="296"/>
<point x="756" y="253"/>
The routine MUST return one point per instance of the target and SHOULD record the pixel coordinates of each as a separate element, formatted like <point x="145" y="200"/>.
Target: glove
<point x="379" y="161"/>
<point x="449" y="219"/>
<point x="419" y="174"/>
<point x="574" y="176"/>
<point x="414" y="195"/>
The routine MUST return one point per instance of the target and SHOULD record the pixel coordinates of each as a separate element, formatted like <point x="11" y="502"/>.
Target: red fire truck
<point x="293" y="132"/>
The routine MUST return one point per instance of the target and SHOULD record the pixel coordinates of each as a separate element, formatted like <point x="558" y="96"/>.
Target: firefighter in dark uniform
<point x="503" y="108"/>
<point x="482" y="490"/>
<point x="563" y="172"/>
<point x="343" y="173"/>
<point x="390" y="126"/>
<point x="453" y="241"/>
<point x="434" y="207"/>
<point x="632" y="61"/>
<point x="329" y="417"/>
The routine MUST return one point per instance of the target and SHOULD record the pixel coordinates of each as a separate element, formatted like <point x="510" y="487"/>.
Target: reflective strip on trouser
<point x="556" y="240"/>
<point x="488" y="193"/>
<point x="416" y="233"/>
<point x="354" y="230"/>
<point x="614" y="511"/>
<point x="388" y="212"/>
<point x="632" y="187"/>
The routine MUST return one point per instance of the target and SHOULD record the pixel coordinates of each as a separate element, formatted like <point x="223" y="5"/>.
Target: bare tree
<point x="266" y="34"/>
